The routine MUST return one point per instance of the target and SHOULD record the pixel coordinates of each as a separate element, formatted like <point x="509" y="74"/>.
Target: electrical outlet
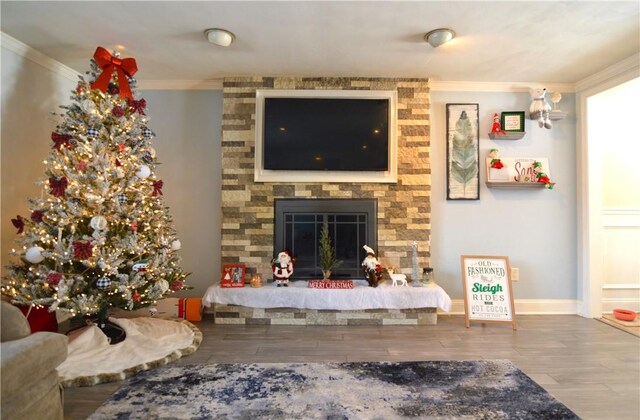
<point x="515" y="274"/>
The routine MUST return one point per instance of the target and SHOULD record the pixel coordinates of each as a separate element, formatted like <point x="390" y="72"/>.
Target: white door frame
<point x="589" y="192"/>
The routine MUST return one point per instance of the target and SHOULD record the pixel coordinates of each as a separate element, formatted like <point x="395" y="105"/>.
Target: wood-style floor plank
<point x="591" y="367"/>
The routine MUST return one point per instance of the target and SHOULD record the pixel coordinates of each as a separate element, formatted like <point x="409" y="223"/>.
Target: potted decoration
<point x="328" y="260"/>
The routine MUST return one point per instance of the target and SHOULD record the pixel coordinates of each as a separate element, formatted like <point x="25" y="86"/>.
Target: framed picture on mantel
<point x="463" y="152"/>
<point x="233" y="275"/>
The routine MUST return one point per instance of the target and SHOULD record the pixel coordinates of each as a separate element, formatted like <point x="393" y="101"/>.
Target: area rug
<point x="484" y="389"/>
<point x="150" y="342"/>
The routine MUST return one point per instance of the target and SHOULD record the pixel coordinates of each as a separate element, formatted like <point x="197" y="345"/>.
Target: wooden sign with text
<point x="486" y="283"/>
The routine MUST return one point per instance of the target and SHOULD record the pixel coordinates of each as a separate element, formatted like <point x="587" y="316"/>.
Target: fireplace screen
<point x="351" y="225"/>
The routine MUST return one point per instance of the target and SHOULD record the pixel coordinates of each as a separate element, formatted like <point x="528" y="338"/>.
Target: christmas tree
<point x="99" y="237"/>
<point x="327" y="253"/>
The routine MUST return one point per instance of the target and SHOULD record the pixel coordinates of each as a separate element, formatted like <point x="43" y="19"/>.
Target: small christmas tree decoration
<point x="327" y="253"/>
<point x="100" y="235"/>
<point x="18" y="223"/>
<point x="103" y="283"/>
<point x="34" y="255"/>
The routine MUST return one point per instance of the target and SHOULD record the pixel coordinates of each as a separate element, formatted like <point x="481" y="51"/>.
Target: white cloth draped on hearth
<point x="298" y="295"/>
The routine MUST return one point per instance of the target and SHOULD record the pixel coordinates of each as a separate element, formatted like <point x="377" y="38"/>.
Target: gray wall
<point x="30" y="93"/>
<point x="188" y="132"/>
<point x="535" y="228"/>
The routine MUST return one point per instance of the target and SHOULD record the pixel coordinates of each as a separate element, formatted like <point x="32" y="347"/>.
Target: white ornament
<point x="98" y="223"/>
<point x="143" y="172"/>
<point x="118" y="173"/>
<point x="176" y="245"/>
<point x="88" y="106"/>
<point x="34" y="255"/>
<point x="163" y="285"/>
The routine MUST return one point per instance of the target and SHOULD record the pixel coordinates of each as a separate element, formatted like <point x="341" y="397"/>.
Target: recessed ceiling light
<point x="219" y="36"/>
<point x="439" y="36"/>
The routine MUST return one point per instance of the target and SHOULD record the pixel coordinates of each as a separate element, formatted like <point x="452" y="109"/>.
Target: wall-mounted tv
<point x="325" y="135"/>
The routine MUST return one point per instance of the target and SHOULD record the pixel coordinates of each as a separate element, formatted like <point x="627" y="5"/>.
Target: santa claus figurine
<point x="372" y="267"/>
<point x="282" y="268"/>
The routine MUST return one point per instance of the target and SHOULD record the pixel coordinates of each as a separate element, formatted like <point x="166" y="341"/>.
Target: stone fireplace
<point x="402" y="213"/>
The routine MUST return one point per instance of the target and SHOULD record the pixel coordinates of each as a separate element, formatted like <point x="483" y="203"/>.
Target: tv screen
<point x="326" y="134"/>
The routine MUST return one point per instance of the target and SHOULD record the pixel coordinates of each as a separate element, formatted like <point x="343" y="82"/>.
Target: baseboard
<point x="608" y="305"/>
<point x="530" y="307"/>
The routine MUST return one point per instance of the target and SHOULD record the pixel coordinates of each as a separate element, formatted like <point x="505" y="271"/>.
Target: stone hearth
<point x="241" y="315"/>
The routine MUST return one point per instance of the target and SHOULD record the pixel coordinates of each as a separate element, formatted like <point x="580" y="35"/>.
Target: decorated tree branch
<point x="100" y="236"/>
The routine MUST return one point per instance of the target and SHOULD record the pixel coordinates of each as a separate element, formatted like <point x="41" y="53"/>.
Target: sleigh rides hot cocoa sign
<point x="487" y="289"/>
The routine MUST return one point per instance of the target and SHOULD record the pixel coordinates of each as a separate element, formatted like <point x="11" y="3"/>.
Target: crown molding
<point x="29" y="53"/>
<point x="211" y="84"/>
<point x="629" y="68"/>
<point x="467" y="86"/>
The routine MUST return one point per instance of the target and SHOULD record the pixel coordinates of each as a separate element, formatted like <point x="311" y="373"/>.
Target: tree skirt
<point x="484" y="389"/>
<point x="150" y="342"/>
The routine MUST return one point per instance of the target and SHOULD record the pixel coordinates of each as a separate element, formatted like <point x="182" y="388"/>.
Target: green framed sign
<point x="512" y="121"/>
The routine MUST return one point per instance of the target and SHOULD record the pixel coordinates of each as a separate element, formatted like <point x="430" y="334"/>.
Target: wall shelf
<point x="512" y="135"/>
<point x="512" y="185"/>
<point x="554" y="115"/>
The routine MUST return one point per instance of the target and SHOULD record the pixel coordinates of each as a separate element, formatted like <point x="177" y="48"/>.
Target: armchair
<point x="30" y="385"/>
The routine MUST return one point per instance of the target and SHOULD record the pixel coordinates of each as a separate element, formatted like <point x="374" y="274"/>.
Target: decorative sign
<point x="330" y="284"/>
<point x="512" y="121"/>
<point x="516" y="170"/>
<point x="487" y="289"/>
<point x="233" y="275"/>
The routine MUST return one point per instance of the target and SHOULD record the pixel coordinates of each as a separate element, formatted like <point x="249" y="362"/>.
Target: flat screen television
<point x="325" y="135"/>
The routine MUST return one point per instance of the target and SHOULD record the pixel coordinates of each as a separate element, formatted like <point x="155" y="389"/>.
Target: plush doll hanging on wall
<point x="541" y="107"/>
<point x="282" y="267"/>
<point x="372" y="267"/>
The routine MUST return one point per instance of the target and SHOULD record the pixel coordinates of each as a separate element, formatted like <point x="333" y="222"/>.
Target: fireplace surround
<point x="403" y="208"/>
<point x="352" y="223"/>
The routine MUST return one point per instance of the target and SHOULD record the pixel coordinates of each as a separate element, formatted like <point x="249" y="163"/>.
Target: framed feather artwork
<point x="463" y="152"/>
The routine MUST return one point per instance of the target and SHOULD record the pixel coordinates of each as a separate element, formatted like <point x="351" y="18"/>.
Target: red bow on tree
<point x="126" y="67"/>
<point x="58" y="186"/>
<point x="18" y="222"/>
<point x="137" y="106"/>
<point x="157" y="188"/>
<point x="60" y="140"/>
<point x="82" y="250"/>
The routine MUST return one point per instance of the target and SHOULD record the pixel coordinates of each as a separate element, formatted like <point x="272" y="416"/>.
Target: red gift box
<point x="40" y="319"/>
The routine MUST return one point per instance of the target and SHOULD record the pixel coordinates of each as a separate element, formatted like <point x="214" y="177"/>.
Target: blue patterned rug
<point x="486" y="389"/>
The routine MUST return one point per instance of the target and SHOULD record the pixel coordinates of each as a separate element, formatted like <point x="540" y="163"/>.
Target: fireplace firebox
<point x="352" y="224"/>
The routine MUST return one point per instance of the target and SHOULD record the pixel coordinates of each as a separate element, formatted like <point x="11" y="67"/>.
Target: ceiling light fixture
<point x="219" y="36"/>
<point x="439" y="36"/>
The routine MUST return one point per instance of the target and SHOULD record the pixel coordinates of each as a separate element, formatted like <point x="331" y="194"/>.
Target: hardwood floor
<point x="591" y="367"/>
